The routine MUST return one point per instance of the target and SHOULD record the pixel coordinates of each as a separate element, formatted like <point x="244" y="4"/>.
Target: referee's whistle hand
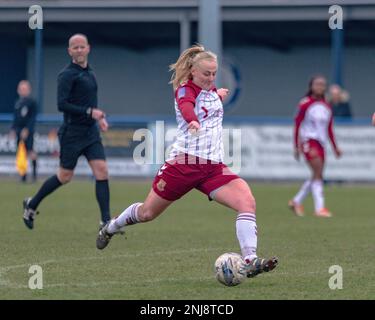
<point x="103" y="124"/>
<point x="97" y="114"/>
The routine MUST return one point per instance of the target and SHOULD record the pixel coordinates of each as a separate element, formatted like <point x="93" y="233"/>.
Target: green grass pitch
<point x="172" y="257"/>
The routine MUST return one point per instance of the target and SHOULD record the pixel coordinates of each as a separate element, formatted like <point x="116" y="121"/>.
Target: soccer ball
<point x="228" y="269"/>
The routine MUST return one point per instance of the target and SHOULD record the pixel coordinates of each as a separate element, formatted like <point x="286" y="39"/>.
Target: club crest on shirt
<point x="24" y="111"/>
<point x="161" y="185"/>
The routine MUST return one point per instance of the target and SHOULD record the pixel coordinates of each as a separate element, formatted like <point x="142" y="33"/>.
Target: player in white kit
<point x="196" y="160"/>
<point x="313" y="128"/>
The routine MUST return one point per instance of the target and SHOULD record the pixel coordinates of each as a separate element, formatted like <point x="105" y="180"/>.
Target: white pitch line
<point x="131" y="282"/>
<point x="107" y="283"/>
<point x="127" y="255"/>
<point x="8" y="284"/>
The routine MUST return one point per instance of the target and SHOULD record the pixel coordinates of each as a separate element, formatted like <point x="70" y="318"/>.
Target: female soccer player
<point x="313" y="127"/>
<point x="196" y="159"/>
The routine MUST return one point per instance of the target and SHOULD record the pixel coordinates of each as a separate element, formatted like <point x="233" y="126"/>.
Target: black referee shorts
<point x="79" y="140"/>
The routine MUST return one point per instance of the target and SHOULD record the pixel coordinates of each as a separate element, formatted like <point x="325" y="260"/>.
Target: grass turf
<point x="172" y="257"/>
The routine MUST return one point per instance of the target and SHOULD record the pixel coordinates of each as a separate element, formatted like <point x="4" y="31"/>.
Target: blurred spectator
<point x="339" y="99"/>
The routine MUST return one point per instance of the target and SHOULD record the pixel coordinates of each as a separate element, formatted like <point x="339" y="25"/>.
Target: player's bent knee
<point x="65" y="175"/>
<point x="247" y="204"/>
<point x="65" y="178"/>
<point x="101" y="176"/>
<point x="253" y="207"/>
<point x="101" y="172"/>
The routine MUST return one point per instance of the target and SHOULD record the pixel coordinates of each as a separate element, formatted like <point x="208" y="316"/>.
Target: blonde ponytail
<point x="182" y="67"/>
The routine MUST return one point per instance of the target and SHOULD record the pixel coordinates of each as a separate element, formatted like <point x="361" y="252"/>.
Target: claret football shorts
<point x="177" y="177"/>
<point x="313" y="149"/>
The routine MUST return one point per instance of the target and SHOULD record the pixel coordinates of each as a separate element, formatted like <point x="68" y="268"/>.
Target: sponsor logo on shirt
<point x="205" y="112"/>
<point x="160" y="172"/>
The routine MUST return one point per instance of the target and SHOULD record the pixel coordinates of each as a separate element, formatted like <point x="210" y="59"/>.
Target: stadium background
<point x="269" y="52"/>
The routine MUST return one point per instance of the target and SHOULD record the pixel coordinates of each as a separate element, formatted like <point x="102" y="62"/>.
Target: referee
<point x="79" y="134"/>
<point x="25" y="110"/>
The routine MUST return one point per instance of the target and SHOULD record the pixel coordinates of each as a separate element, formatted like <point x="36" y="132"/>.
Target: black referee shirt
<point x="76" y="93"/>
<point x="24" y="114"/>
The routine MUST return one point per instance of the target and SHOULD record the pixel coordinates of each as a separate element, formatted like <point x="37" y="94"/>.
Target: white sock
<point x="127" y="217"/>
<point x="318" y="196"/>
<point x="303" y="192"/>
<point x="246" y="229"/>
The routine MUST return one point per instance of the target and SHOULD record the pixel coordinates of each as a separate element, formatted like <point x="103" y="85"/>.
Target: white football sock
<point x="246" y="229"/>
<point x="318" y="196"/>
<point x="303" y="192"/>
<point x="127" y="217"/>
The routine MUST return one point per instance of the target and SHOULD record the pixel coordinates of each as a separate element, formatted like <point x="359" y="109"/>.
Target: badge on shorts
<point x="160" y="185"/>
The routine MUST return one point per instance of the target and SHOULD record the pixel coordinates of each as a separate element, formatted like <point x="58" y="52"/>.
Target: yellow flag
<point x="21" y="158"/>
